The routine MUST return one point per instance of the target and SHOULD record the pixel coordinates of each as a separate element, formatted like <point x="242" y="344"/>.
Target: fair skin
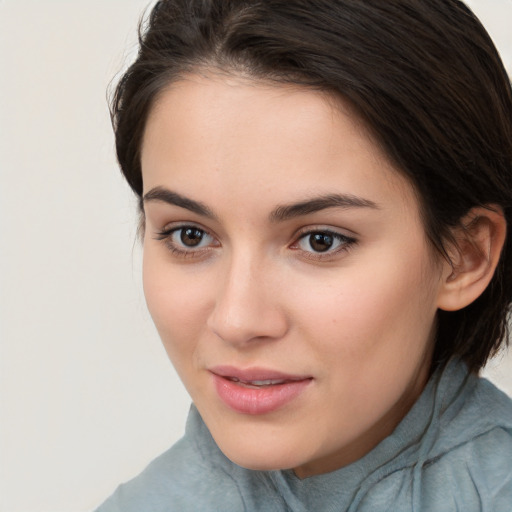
<point x="340" y="293"/>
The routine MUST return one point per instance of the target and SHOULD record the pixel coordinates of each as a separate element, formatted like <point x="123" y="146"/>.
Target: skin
<point x="358" y="318"/>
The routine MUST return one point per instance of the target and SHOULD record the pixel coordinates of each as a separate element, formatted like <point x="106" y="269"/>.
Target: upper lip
<point x="255" y="374"/>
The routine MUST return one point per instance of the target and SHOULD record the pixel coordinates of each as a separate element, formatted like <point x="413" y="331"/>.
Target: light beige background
<point x="87" y="394"/>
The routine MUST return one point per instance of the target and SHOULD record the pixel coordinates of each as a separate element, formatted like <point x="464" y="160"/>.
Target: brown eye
<point x="321" y="242"/>
<point x="187" y="241"/>
<point x="191" y="237"/>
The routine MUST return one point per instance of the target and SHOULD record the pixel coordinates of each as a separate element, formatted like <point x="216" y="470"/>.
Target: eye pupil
<point x="191" y="236"/>
<point x="321" y="242"/>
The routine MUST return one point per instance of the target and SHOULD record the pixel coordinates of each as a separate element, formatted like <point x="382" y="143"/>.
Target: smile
<point x="257" y="391"/>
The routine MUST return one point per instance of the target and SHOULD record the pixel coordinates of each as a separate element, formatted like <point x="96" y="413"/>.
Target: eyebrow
<point x="316" y="204"/>
<point x="279" y="214"/>
<point x="168" y="196"/>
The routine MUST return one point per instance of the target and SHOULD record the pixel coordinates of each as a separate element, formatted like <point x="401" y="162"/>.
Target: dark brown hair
<point x="423" y="75"/>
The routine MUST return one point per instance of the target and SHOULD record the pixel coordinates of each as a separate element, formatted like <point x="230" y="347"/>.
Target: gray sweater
<point x="452" y="452"/>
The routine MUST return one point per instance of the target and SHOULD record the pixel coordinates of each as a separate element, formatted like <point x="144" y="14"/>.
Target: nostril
<point x="243" y="326"/>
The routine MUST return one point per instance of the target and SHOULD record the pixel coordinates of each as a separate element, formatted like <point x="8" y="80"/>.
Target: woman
<point x="325" y="191"/>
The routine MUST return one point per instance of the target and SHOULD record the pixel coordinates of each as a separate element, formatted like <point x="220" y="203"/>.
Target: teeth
<point x="258" y="383"/>
<point x="265" y="382"/>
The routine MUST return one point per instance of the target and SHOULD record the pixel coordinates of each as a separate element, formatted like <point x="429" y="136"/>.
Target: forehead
<point x="233" y="140"/>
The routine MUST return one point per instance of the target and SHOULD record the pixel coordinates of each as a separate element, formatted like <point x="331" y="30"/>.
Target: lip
<point x="235" y="387"/>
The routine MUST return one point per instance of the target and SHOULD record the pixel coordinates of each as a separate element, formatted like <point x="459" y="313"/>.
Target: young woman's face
<point x="287" y="271"/>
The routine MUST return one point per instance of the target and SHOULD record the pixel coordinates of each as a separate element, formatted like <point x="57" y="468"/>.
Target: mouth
<point x="258" y="384"/>
<point x="257" y="391"/>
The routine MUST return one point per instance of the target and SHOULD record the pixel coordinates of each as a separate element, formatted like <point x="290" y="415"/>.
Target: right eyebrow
<point x="168" y="196"/>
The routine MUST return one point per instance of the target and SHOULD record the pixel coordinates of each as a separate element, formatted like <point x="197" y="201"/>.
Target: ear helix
<point x="479" y="241"/>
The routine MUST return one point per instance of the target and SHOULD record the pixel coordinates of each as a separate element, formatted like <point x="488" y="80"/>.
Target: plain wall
<point x="88" y="396"/>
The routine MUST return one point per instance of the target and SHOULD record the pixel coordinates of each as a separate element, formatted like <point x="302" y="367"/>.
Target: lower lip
<point x="258" y="401"/>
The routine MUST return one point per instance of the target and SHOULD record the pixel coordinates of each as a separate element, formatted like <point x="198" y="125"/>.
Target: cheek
<point x="177" y="304"/>
<point x="382" y="310"/>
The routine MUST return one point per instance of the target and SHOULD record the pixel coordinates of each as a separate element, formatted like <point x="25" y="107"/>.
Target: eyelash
<point x="345" y="242"/>
<point x="166" y="236"/>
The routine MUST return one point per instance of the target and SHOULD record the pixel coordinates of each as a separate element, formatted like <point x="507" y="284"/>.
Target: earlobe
<point x="473" y="260"/>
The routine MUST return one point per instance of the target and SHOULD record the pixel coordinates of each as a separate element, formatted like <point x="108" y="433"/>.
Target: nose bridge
<point x="246" y="306"/>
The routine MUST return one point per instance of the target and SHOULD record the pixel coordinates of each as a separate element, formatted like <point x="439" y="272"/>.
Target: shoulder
<point x="476" y="474"/>
<point x="183" y="479"/>
<point x="471" y="458"/>
<point x="461" y="461"/>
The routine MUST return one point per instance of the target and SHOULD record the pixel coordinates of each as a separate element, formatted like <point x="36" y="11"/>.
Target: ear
<point x="474" y="257"/>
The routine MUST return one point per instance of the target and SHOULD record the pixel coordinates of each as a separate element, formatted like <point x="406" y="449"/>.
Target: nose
<point x="247" y="307"/>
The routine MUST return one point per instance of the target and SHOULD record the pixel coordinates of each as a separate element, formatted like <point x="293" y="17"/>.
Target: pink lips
<point x="256" y="390"/>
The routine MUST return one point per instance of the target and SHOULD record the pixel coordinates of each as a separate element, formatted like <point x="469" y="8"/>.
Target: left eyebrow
<point x="290" y="211"/>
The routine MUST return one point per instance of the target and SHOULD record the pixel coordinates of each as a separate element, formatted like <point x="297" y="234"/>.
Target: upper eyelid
<point x="171" y="227"/>
<point x="175" y="226"/>
<point x="340" y="236"/>
<point x="343" y="232"/>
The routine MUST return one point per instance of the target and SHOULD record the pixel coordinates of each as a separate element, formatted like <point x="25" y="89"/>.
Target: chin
<point x="260" y="453"/>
